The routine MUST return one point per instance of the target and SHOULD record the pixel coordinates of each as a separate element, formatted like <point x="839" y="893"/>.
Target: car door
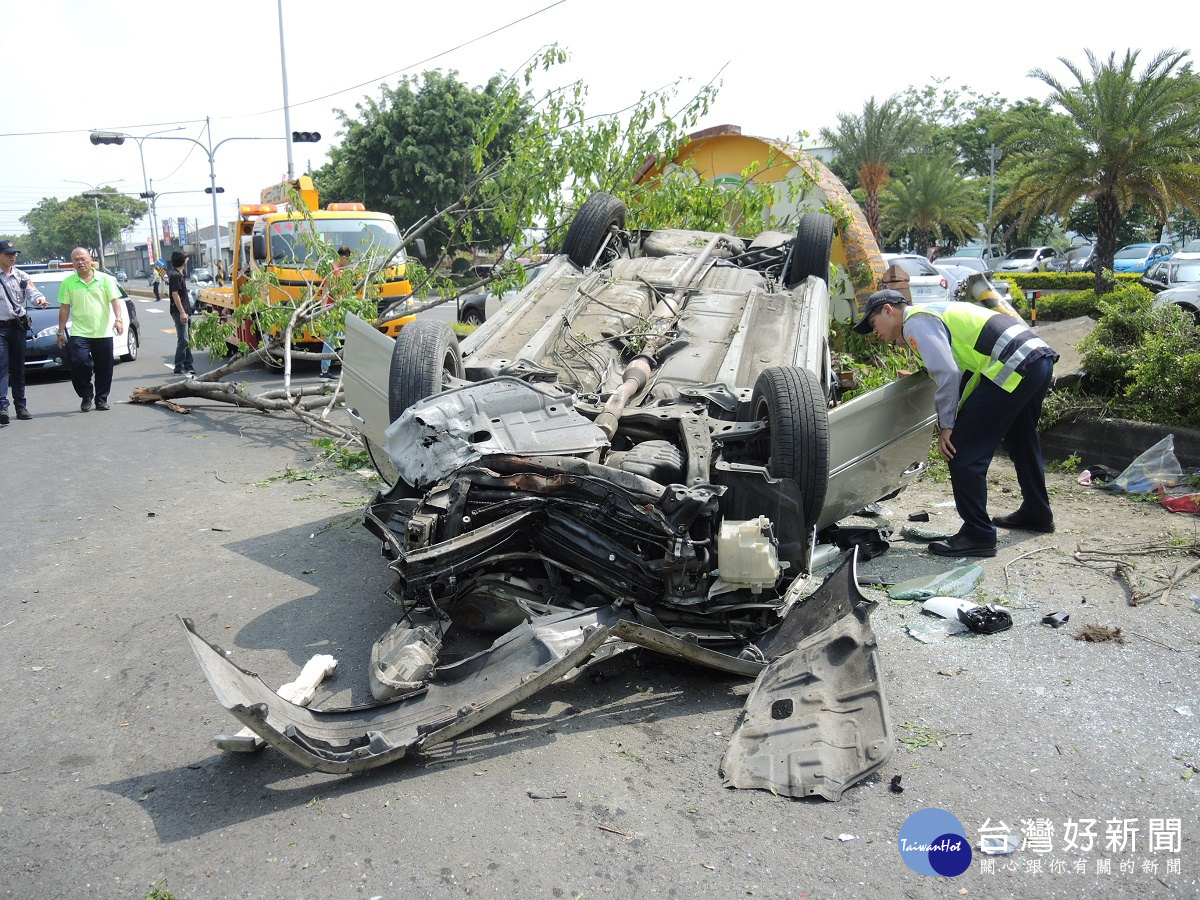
<point x="878" y="441"/>
<point x="366" y="374"/>
<point x="1156" y="277"/>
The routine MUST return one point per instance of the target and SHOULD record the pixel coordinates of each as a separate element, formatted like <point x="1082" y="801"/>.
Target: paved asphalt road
<point x="117" y="523"/>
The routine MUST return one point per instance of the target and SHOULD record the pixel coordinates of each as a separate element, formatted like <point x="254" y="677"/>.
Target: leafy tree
<point x="1120" y="138"/>
<point x="871" y="144"/>
<point x="56" y="227"/>
<point x="553" y="160"/>
<point x="1137" y="226"/>
<point x="409" y="152"/>
<point x="933" y="200"/>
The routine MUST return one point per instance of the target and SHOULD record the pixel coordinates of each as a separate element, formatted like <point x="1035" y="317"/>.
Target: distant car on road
<point x="202" y="276"/>
<point x="121" y="276"/>
<point x="1027" y="259"/>
<point x="140" y="273"/>
<point x="41" y="341"/>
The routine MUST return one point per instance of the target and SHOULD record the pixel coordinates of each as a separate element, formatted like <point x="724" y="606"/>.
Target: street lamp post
<point x="95" y="194"/>
<point x="118" y="137"/>
<point x="992" y="156"/>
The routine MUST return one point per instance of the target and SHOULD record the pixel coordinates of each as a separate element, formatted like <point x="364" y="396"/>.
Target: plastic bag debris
<point x="930" y="631"/>
<point x="955" y="583"/>
<point x="1154" y="468"/>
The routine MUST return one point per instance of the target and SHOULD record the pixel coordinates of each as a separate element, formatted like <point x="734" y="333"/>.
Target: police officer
<point x="992" y="374"/>
<point x="16" y="290"/>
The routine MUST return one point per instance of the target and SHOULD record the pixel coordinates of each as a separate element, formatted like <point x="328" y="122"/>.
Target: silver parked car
<point x="924" y="281"/>
<point x="647" y="446"/>
<point x="1027" y="259"/>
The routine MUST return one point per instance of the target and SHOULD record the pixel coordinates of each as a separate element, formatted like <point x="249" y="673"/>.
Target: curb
<point x="1116" y="442"/>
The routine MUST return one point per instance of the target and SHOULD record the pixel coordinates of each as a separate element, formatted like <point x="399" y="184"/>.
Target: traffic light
<point x="305" y="137"/>
<point x="219" y="190"/>
<point x="107" y="137"/>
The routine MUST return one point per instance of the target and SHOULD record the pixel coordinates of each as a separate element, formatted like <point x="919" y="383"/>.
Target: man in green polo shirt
<point x="92" y="301"/>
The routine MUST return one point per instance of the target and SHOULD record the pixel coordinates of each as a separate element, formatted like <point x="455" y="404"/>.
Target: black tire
<point x="591" y="225"/>
<point x="425" y="354"/>
<point x="133" y="347"/>
<point x="472" y="316"/>
<point x="811" y="249"/>
<point x="792" y="401"/>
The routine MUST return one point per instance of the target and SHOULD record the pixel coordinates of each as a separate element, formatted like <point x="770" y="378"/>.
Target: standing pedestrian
<point x="343" y="262"/>
<point x="18" y="291"/>
<point x="181" y="310"/>
<point x="156" y="278"/>
<point x="92" y="301"/>
<point x="992" y="375"/>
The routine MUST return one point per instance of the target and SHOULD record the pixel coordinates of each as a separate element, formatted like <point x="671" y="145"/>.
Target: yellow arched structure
<point x="802" y="183"/>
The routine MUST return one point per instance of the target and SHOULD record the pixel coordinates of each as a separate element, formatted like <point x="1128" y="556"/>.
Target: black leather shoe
<point x="23" y="413"/>
<point x="961" y="546"/>
<point x="85" y="405"/>
<point x="102" y="405"/>
<point x="3" y="418"/>
<point x="1019" y="521"/>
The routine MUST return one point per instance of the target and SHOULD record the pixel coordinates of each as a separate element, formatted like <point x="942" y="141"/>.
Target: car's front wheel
<point x="796" y="445"/>
<point x="424" y="358"/>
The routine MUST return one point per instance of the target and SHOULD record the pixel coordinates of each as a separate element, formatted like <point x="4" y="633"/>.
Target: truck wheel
<point x="797" y="444"/>
<point x="810" y="251"/>
<point x="597" y="217"/>
<point x="131" y="353"/>
<point x="426" y="354"/>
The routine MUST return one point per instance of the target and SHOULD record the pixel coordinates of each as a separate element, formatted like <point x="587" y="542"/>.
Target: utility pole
<point x="992" y="156"/>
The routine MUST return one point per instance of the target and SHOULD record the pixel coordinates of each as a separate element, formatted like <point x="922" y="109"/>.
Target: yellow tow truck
<point x="268" y="235"/>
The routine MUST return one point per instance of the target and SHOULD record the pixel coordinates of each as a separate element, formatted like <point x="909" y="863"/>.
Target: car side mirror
<point x="259" y="247"/>
<point x="418" y="248"/>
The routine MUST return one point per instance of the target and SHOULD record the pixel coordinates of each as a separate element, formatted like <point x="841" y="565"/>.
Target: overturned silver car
<point x="644" y="447"/>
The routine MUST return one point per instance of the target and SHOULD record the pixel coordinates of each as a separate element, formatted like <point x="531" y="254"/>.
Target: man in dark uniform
<point x="16" y="292"/>
<point x="992" y="374"/>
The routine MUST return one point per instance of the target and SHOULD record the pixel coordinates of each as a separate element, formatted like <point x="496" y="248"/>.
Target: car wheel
<point x="593" y="223"/>
<point x="130" y="353"/>
<point x="797" y="443"/>
<point x="425" y="356"/>
<point x="473" y="316"/>
<point x="810" y="250"/>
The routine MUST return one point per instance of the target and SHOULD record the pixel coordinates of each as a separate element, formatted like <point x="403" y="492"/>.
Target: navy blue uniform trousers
<point x="990" y="418"/>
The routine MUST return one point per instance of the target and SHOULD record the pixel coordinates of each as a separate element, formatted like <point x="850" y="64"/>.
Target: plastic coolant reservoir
<point x="746" y="553"/>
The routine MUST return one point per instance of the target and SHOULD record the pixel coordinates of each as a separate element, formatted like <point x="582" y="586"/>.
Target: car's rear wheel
<point x="796" y="445"/>
<point x="810" y="252"/>
<point x="425" y="357"/>
<point x="596" y="219"/>
<point x="131" y="352"/>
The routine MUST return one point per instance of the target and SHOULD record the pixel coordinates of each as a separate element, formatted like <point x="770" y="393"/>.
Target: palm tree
<point x="870" y="144"/>
<point x="1119" y="139"/>
<point x="932" y="199"/>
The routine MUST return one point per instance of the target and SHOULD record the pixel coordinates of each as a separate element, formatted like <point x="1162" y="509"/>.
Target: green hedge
<point x="1056" y="307"/>
<point x="1058" y="281"/>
